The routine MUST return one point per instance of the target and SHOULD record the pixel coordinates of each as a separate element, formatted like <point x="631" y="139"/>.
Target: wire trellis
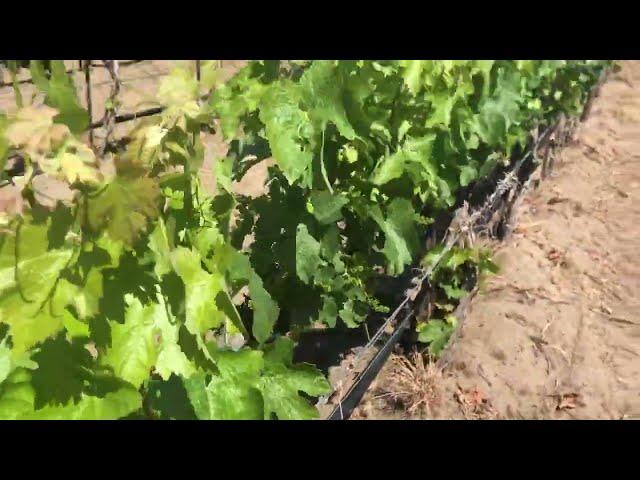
<point x="111" y="116"/>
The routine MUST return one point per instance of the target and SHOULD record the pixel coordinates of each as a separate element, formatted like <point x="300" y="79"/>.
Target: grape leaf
<point x="467" y="175"/>
<point x="4" y="142"/>
<point x="201" y="288"/>
<point x="133" y="351"/>
<point x="159" y="245"/>
<point x="327" y="207"/>
<point x="148" y="339"/>
<point x="401" y="239"/>
<point x="17" y="398"/>
<point x="28" y="277"/>
<point x="78" y="164"/>
<point x="322" y="94"/>
<point x="436" y="333"/>
<point x="307" y="254"/>
<point x="60" y="94"/>
<point x="238" y="267"/>
<point x="59" y="377"/>
<point x="236" y="98"/>
<point x="453" y="292"/>
<point x="123" y="207"/>
<point x="33" y="130"/>
<point x="231" y="395"/>
<point x="329" y="312"/>
<point x="168" y="399"/>
<point x="286" y="126"/>
<point x="412" y="74"/>
<point x="84" y="298"/>
<point x="178" y="88"/>
<point x="281" y="383"/>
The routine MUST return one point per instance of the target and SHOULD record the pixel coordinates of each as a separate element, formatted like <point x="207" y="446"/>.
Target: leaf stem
<point x="322" y="167"/>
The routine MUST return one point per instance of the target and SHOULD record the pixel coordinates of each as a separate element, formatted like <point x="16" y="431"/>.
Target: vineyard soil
<point x="556" y="335"/>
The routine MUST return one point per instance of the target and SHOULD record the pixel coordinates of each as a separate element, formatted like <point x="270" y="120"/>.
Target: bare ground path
<point x="556" y="335"/>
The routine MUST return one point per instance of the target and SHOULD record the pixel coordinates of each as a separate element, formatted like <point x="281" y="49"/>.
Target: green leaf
<point x="436" y="333"/>
<point x="307" y="254"/>
<point x="329" y="313"/>
<point x="224" y="173"/>
<point x="168" y="399"/>
<point x="467" y="175"/>
<point x="238" y="267"/>
<point x="459" y="256"/>
<point x="84" y="298"/>
<point x="389" y="168"/>
<point x="178" y="88"/>
<point x="281" y="383"/>
<point x="401" y="240"/>
<point x="17" y="398"/>
<point x="59" y="377"/>
<point x="322" y="94"/>
<point x="251" y="385"/>
<point x="5" y="362"/>
<point x="453" y="292"/>
<point x="236" y="98"/>
<point x="60" y="94"/>
<point x="123" y="207"/>
<point x="10" y="361"/>
<point x="287" y="127"/>
<point x="327" y="207"/>
<point x="231" y="395"/>
<point x="412" y="74"/>
<point x="350" y="316"/>
<point x="133" y="351"/>
<point x="201" y="289"/>
<point x="414" y="157"/>
<point x="29" y="301"/>
<point x="147" y="340"/>
<point x="441" y="107"/>
<point x="76" y="328"/>
<point x="4" y="142"/>
<point x="159" y="244"/>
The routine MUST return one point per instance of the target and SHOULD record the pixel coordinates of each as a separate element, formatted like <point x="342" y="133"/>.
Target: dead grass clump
<point x="414" y="382"/>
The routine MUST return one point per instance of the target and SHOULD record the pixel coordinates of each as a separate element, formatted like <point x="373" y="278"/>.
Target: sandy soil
<point x="556" y="335"/>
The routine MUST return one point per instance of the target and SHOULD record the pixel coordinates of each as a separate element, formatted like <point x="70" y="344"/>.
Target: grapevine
<point x="138" y="294"/>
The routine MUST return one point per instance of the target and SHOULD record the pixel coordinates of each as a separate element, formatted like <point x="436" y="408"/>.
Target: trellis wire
<point x="85" y="66"/>
<point x="71" y="70"/>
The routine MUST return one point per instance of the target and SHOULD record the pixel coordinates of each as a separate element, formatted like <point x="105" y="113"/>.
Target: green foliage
<point x="436" y="333"/>
<point x="140" y="298"/>
<point x="451" y="274"/>
<point x="60" y="93"/>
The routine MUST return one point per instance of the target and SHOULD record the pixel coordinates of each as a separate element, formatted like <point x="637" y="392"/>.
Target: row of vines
<point x="144" y="296"/>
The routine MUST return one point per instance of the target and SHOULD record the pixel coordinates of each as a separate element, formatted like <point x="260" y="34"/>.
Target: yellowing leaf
<point x="32" y="129"/>
<point x="178" y="88"/>
<point x="78" y="164"/>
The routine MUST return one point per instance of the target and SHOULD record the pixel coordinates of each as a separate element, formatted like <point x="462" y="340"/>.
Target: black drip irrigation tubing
<point x="126" y="117"/>
<point x="347" y="404"/>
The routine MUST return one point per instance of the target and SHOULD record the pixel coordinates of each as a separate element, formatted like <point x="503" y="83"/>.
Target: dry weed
<point x="414" y="382"/>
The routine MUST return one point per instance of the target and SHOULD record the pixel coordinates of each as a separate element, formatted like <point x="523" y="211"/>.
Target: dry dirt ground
<point x="556" y="334"/>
